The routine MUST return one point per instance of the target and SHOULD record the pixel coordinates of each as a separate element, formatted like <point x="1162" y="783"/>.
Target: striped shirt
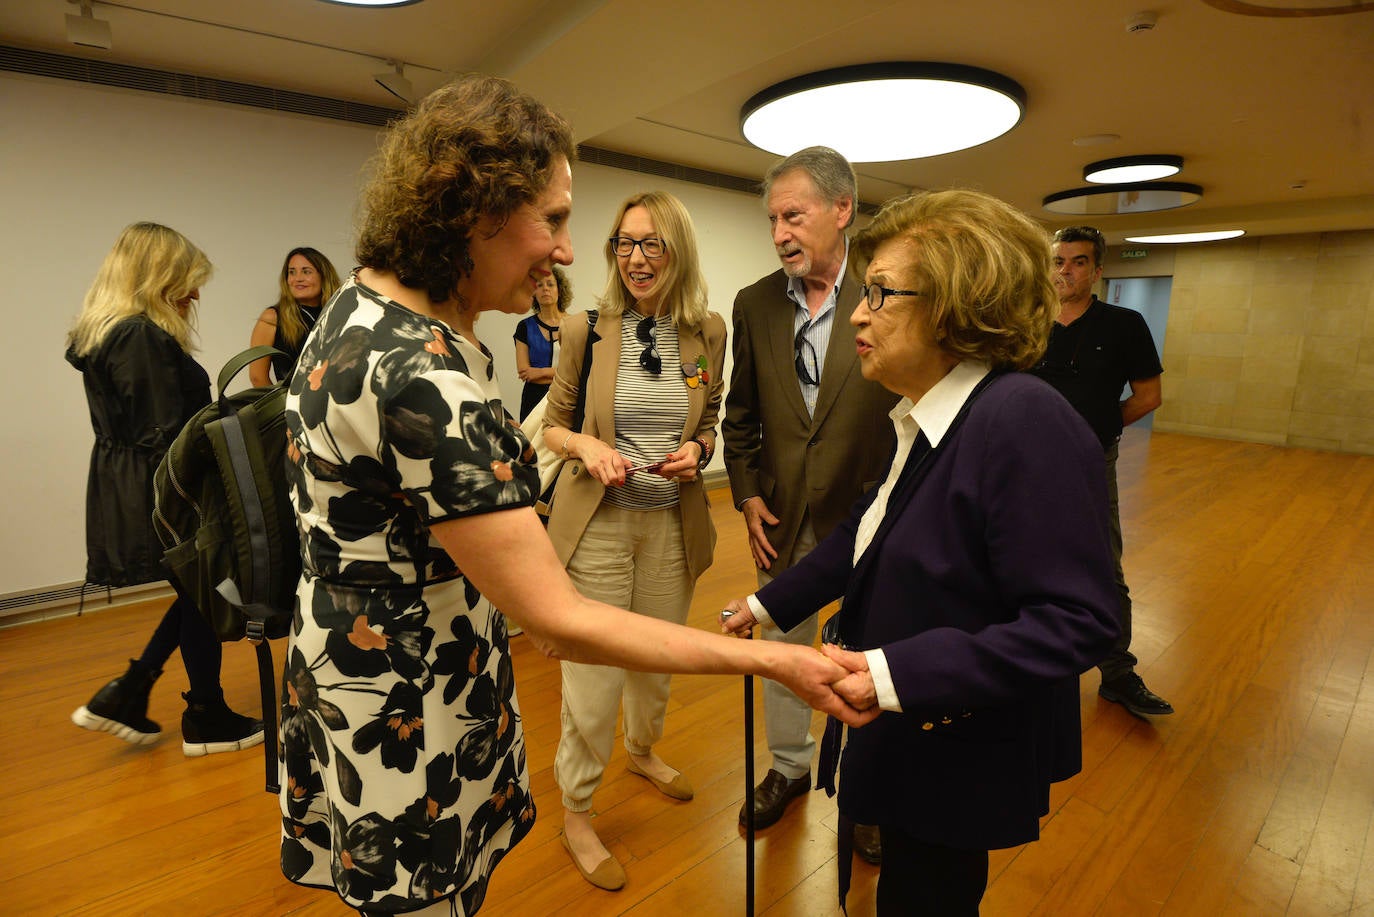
<point x="650" y="412"/>
<point x="815" y="332"/>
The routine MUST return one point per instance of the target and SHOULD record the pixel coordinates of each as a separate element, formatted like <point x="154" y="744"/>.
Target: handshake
<point x="834" y="680"/>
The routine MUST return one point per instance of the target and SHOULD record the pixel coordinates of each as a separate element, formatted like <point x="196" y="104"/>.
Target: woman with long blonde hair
<point x="307" y="282"/>
<point x="631" y="520"/>
<point x="131" y="344"/>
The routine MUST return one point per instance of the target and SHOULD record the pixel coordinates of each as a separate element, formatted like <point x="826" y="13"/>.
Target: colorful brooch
<point x="696" y="373"/>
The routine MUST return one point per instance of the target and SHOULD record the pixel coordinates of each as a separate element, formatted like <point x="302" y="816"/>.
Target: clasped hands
<point x="835" y="681"/>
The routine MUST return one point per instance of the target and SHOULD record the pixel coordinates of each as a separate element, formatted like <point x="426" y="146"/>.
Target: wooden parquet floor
<point x="1252" y="569"/>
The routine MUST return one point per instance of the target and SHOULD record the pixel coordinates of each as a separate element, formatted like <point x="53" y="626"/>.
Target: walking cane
<point x="748" y="785"/>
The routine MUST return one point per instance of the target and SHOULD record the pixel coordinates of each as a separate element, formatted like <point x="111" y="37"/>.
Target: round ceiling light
<point x="1138" y="197"/>
<point x="884" y="112"/>
<point x="1289" y="8"/>
<point x="1190" y="236"/>
<point x="1125" y="169"/>
<point x="373" y="3"/>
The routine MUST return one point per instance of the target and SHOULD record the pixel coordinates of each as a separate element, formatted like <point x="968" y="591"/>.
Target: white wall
<point x="79" y="162"/>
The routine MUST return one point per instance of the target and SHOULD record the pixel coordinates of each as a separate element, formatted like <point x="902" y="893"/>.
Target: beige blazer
<point x="800" y="464"/>
<point x="579" y="494"/>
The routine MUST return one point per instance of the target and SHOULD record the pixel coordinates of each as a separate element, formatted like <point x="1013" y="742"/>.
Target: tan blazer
<point x="579" y="494"/>
<point x="800" y="464"/>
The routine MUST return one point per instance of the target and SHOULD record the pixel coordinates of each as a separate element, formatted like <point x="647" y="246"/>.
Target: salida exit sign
<point x="1133" y="254"/>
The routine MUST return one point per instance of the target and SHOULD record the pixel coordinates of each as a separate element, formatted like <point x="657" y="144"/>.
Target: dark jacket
<point x="800" y="465"/>
<point x="989" y="586"/>
<point x="141" y="388"/>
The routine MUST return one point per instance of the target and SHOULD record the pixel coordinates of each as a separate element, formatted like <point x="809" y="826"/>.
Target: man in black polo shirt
<point x="1095" y="350"/>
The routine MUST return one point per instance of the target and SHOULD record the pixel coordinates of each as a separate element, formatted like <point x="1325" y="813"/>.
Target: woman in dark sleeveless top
<point x="307" y="282"/>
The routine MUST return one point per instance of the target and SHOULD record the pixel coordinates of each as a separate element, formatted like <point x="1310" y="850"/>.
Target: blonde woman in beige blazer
<point x="630" y="519"/>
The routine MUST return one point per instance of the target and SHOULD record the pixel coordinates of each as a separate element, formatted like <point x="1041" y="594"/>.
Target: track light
<point x="396" y="82"/>
<point x="86" y="30"/>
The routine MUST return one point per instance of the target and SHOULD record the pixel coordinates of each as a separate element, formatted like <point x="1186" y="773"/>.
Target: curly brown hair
<point x="985" y="266"/>
<point x="478" y="147"/>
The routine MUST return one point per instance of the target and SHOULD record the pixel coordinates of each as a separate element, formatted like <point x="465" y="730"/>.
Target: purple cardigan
<point x="989" y="586"/>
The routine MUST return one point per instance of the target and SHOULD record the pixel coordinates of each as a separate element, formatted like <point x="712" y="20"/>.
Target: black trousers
<point x="183" y="628"/>
<point x="929" y="879"/>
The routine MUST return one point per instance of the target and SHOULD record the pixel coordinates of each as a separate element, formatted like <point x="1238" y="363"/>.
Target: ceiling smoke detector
<point x="1143" y="21"/>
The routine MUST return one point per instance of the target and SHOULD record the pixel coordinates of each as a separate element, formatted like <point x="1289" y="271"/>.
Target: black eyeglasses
<point x="876" y="294"/>
<point x="649" y="359"/>
<point x="653" y="249"/>
<point x="802" y="347"/>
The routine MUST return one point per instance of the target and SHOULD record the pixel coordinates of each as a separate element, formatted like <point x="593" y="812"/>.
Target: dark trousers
<point x="182" y="627"/>
<point x="928" y="879"/>
<point x="1120" y="661"/>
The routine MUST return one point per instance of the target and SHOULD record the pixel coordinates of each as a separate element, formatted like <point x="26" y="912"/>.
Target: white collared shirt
<point x="932" y="415"/>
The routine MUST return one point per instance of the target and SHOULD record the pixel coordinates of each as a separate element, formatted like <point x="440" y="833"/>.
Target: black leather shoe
<point x="1130" y="692"/>
<point x="867" y="844"/>
<point x="772" y="796"/>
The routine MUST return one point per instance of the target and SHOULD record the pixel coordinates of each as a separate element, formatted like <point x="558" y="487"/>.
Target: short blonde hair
<point x="684" y="287"/>
<point x="149" y="270"/>
<point x="985" y="266"/>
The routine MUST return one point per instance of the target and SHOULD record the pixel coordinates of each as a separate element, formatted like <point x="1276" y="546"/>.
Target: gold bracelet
<point x="567" y="440"/>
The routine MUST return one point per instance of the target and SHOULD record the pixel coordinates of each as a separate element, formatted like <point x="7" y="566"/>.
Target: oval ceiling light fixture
<point x="373" y="3"/>
<point x="1125" y="169"/>
<point x="884" y="112"/>
<point x="1179" y="237"/>
<point x="1138" y="197"/>
<point x="1291" y="8"/>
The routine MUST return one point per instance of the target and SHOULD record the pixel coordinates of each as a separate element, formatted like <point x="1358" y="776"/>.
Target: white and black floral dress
<point x="403" y="757"/>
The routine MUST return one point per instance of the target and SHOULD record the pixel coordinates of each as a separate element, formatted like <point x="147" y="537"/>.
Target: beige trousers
<point x="634" y="560"/>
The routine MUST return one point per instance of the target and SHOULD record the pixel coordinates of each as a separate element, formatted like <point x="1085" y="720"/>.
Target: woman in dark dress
<point x="130" y="344"/>
<point x="308" y="281"/>
<point x="537" y="338"/>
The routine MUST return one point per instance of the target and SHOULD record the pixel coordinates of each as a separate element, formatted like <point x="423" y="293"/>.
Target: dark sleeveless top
<point x="282" y="366"/>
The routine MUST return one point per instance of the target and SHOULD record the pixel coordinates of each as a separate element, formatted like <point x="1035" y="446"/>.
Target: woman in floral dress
<point x="404" y="779"/>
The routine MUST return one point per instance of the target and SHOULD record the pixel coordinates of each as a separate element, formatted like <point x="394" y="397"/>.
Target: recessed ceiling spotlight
<point x="1136" y="197"/>
<point x="1131" y="168"/>
<point x="943" y="108"/>
<point x="1179" y="237"/>
<point x="1142" y="21"/>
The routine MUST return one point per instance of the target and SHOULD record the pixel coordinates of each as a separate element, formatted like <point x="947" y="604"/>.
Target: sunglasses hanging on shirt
<point x="807" y="364"/>
<point x="649" y="359"/>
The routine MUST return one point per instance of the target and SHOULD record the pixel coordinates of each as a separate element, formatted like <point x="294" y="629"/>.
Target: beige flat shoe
<point x="677" y="788"/>
<point x="608" y="874"/>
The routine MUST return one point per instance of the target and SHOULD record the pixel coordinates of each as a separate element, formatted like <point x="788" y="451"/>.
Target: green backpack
<point x="223" y="514"/>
